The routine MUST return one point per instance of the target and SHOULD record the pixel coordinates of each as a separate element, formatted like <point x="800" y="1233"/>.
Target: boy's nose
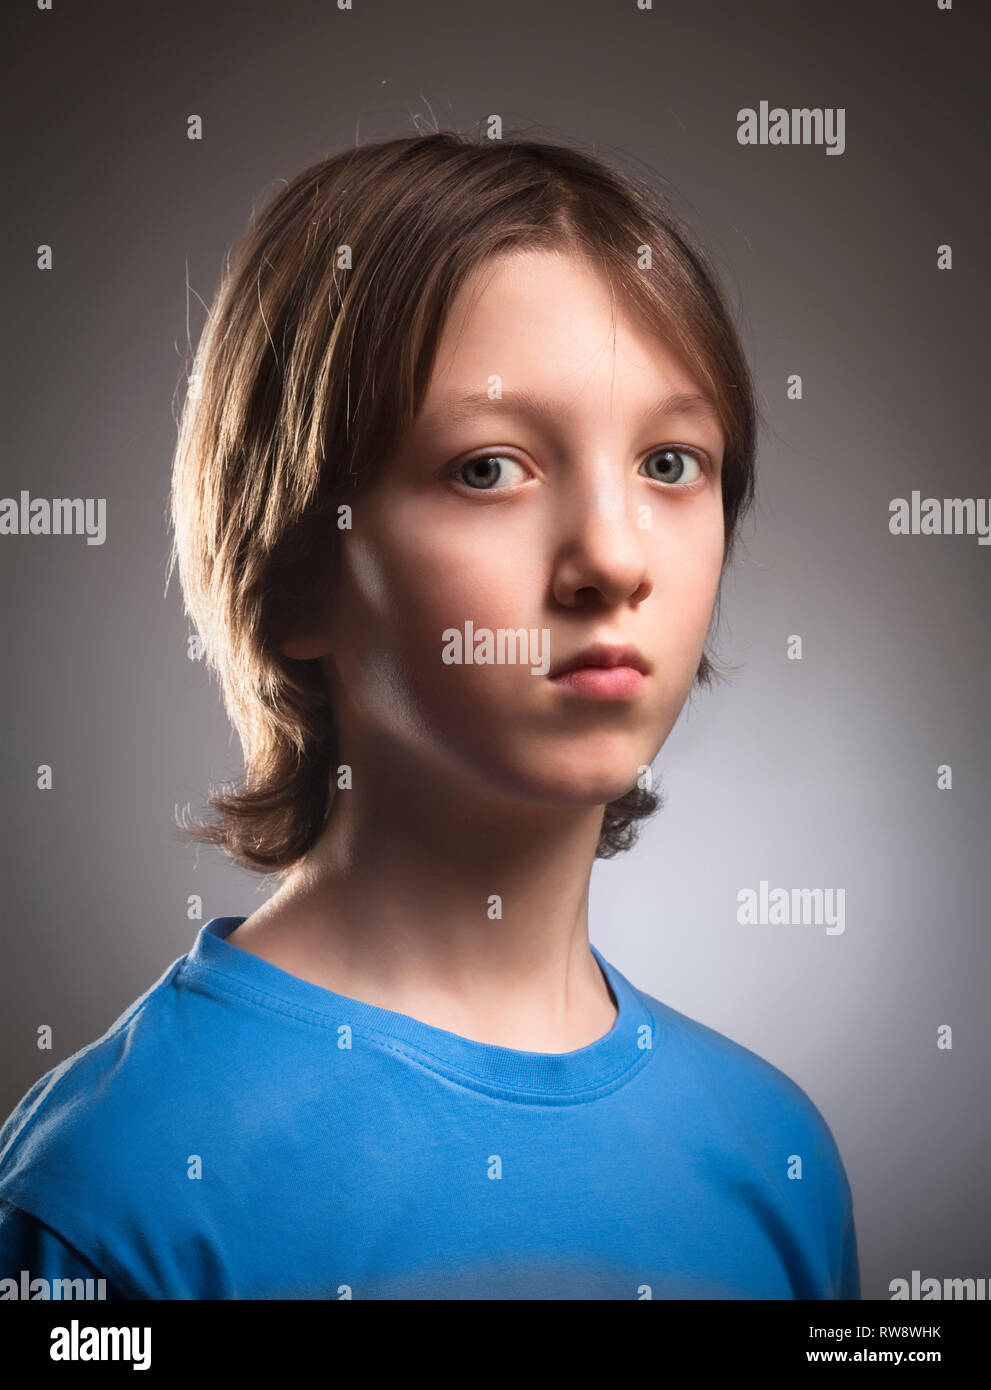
<point x="601" y="546"/>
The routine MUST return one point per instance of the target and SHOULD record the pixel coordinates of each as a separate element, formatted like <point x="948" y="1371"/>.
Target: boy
<point x="452" y="505"/>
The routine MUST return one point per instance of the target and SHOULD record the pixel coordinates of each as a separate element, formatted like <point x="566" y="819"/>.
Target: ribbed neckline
<point x="547" y="1077"/>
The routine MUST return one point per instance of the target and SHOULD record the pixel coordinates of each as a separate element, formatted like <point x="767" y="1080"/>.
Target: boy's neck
<point x="421" y="943"/>
<point x="468" y="932"/>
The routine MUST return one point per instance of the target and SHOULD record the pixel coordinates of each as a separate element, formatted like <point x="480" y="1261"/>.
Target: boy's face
<point x="599" y="521"/>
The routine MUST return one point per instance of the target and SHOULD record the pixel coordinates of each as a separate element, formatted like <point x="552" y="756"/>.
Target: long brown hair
<point x="316" y="357"/>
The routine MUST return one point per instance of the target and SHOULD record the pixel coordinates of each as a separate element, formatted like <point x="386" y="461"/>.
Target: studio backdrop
<point x="816" y="884"/>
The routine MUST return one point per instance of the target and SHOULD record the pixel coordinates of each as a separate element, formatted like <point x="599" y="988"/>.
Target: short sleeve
<point x="27" y="1244"/>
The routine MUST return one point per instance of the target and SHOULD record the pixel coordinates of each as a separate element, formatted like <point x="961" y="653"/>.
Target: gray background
<point x="813" y="773"/>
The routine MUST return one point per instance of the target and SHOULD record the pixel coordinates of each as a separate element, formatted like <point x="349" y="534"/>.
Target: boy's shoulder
<point x="96" y="1115"/>
<point x="90" y="1149"/>
<point x="756" y="1098"/>
<point x="196" y="1061"/>
<point x="91" y="1075"/>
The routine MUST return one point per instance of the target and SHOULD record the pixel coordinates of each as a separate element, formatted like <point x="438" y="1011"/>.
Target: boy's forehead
<point x="515" y="286"/>
<point x="539" y="331"/>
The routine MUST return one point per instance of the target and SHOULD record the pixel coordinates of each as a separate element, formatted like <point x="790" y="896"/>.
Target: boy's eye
<point x="670" y="466"/>
<point x="493" y="472"/>
<point x="484" y="472"/>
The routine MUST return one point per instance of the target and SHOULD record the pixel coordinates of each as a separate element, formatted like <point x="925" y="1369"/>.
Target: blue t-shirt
<point x="242" y="1133"/>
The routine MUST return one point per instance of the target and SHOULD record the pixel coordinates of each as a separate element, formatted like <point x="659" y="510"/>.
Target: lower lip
<point x="602" y="682"/>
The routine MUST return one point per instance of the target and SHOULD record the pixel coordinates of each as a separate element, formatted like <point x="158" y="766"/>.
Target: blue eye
<point x="485" y="470"/>
<point x="671" y="467"/>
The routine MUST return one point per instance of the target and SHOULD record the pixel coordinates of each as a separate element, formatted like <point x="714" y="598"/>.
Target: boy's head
<point x="376" y="292"/>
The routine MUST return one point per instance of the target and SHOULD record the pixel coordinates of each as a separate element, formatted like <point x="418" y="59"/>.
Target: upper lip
<point x="602" y="654"/>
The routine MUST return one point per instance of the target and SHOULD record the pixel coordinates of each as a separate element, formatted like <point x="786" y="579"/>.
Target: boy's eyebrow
<point x="523" y="401"/>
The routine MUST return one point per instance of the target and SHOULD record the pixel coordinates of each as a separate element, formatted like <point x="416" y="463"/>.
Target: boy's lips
<point x="603" y="672"/>
<point x="602" y="656"/>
